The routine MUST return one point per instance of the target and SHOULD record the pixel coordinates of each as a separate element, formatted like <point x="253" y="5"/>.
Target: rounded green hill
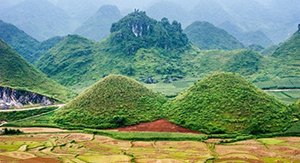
<point x="114" y="101"/>
<point x="227" y="103"/>
<point x="17" y="74"/>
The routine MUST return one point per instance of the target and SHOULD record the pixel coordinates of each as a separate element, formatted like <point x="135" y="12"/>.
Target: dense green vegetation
<point x="206" y="36"/>
<point x="288" y="57"/>
<point x="69" y="60"/>
<point x="29" y="48"/>
<point x="114" y="101"/>
<point x="19" y="115"/>
<point x="45" y="46"/>
<point x="16" y="73"/>
<point x="78" y="62"/>
<point x="283" y="69"/>
<point x="296" y="109"/>
<point x="24" y="44"/>
<point x="227" y="103"/>
<point x="137" y="30"/>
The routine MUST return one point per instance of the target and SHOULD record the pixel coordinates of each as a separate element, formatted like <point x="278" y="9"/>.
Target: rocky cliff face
<point x="10" y="98"/>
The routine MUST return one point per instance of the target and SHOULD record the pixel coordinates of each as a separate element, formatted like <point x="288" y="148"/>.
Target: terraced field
<point x="65" y="146"/>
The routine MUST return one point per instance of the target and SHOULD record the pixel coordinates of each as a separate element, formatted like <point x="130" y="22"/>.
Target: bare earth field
<point x="66" y="147"/>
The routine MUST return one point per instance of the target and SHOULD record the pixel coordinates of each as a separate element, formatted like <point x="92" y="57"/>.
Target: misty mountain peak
<point x="108" y="10"/>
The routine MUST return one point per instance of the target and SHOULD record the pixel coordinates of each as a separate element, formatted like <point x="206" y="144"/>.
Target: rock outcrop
<point x="11" y="98"/>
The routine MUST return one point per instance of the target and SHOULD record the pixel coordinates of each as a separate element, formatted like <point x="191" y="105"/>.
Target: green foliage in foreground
<point x="206" y="36"/>
<point x="113" y="102"/>
<point x="227" y="103"/>
<point x="19" y="115"/>
<point x="149" y="136"/>
<point x="16" y="73"/>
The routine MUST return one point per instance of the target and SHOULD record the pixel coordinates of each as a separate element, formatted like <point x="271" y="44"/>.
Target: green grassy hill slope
<point x="68" y="60"/>
<point x="288" y="55"/>
<point x="112" y="102"/>
<point x="227" y="103"/>
<point x="296" y="109"/>
<point x="206" y="36"/>
<point x="284" y="71"/>
<point x="16" y="73"/>
<point x="24" y="44"/>
<point x="78" y="62"/>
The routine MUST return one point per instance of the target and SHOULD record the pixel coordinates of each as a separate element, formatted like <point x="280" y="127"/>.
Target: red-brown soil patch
<point x="5" y="159"/>
<point x="157" y="126"/>
<point x="41" y="160"/>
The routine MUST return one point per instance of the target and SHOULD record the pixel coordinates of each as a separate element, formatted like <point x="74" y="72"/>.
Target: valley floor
<point x="54" y="145"/>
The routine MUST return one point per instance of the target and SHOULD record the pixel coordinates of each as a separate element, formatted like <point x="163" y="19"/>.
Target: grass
<point x="295" y="128"/>
<point x="234" y="104"/>
<point x="41" y="120"/>
<point x="113" y="102"/>
<point x="16" y="73"/>
<point x="19" y="115"/>
<point x="288" y="97"/>
<point x="270" y="141"/>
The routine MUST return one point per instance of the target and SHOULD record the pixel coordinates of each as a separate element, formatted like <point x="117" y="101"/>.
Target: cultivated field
<point x="51" y="147"/>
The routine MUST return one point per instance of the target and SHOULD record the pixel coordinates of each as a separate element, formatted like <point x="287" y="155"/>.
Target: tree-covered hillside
<point x="68" y="60"/>
<point x="16" y="73"/>
<point x="114" y="101"/>
<point x="24" y="44"/>
<point x="227" y="103"/>
<point x="131" y="50"/>
<point x="137" y="30"/>
<point x="284" y="70"/>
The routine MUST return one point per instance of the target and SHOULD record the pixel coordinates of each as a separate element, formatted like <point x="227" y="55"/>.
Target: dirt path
<point x="34" y="108"/>
<point x="280" y="90"/>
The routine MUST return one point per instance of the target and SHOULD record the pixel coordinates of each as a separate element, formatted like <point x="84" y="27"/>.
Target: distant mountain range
<point x="28" y="47"/>
<point x="259" y="22"/>
<point x="39" y="18"/>
<point x="98" y="26"/>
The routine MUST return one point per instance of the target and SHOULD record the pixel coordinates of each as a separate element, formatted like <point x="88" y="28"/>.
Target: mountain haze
<point x="206" y="36"/>
<point x="98" y="26"/>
